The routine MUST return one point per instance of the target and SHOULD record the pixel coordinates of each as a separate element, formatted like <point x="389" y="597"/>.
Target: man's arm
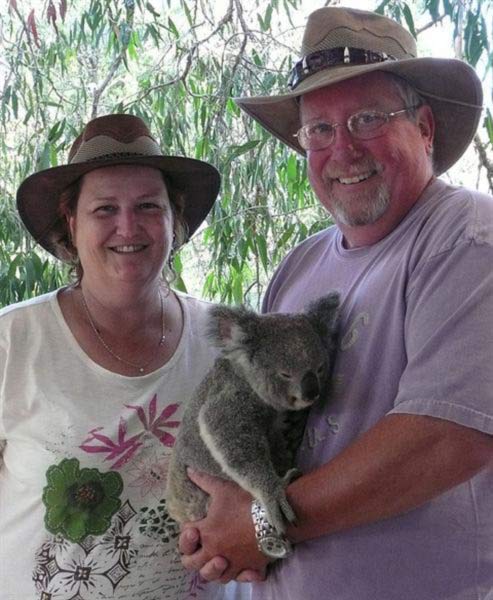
<point x="400" y="464"/>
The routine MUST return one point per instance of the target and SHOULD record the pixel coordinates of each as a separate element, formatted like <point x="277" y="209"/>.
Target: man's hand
<point x="222" y="546"/>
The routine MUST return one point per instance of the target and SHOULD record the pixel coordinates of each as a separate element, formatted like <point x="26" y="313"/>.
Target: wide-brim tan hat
<point x="341" y="43"/>
<point x="116" y="139"/>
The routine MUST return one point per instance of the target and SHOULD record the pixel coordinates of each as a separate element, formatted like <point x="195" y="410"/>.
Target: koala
<point x="233" y="427"/>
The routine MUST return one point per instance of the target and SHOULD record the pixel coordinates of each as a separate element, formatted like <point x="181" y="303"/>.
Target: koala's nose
<point x="309" y="386"/>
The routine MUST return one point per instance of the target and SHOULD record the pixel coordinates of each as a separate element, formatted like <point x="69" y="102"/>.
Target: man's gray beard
<point x="369" y="213"/>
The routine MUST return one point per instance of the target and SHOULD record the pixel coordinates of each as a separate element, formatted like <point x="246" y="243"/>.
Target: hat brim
<point x="450" y="86"/>
<point x="38" y="196"/>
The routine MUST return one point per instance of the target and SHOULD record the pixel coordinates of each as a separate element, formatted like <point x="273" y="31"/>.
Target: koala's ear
<point x="323" y="314"/>
<point x="227" y="326"/>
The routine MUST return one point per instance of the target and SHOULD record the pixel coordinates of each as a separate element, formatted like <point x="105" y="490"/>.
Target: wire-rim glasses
<point x="363" y="125"/>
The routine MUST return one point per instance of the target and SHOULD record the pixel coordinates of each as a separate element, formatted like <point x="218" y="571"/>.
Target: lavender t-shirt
<point x="416" y="337"/>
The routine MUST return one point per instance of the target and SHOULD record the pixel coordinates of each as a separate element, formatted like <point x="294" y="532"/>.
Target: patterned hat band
<point x="107" y="147"/>
<point x="332" y="57"/>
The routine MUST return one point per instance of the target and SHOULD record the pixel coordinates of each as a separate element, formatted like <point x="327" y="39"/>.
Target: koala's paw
<point x="278" y="512"/>
<point x="188" y="509"/>
<point x="185" y="501"/>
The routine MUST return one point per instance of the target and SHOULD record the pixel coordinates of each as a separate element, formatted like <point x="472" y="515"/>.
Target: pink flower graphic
<point x="124" y="448"/>
<point x="156" y="425"/>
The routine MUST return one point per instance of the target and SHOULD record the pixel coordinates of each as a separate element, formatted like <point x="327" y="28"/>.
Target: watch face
<point x="275" y="546"/>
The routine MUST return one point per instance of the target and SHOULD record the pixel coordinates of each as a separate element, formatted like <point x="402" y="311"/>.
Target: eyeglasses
<point x="363" y="125"/>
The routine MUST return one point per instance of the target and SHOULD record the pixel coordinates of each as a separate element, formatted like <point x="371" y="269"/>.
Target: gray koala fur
<point x="233" y="427"/>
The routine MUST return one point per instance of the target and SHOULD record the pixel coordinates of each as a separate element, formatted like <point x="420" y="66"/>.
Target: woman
<point x="94" y="376"/>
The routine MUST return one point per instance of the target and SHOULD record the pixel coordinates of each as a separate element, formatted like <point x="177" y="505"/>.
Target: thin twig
<point x="430" y="24"/>
<point x="484" y="160"/>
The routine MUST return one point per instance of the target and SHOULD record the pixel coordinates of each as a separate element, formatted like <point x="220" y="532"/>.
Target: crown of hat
<point x="333" y="27"/>
<point x="111" y="135"/>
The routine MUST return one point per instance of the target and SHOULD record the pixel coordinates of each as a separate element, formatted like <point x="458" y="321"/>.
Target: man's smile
<point x="355" y="178"/>
<point x="127" y="249"/>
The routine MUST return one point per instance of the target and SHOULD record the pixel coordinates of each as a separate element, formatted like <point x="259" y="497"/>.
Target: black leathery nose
<point x="309" y="386"/>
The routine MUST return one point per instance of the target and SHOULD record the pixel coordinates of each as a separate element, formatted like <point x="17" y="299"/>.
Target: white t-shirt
<point x="85" y="454"/>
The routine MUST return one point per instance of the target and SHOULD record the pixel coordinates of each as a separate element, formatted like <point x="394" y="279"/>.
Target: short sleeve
<point x="449" y="338"/>
<point x="3" y="435"/>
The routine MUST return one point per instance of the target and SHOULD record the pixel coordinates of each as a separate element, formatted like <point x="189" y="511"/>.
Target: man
<point x="397" y="497"/>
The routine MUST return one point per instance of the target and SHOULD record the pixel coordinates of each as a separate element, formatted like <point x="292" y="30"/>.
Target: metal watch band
<point x="269" y="541"/>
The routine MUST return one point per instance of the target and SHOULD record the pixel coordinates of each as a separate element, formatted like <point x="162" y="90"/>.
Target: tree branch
<point x="484" y="160"/>
<point x="430" y="24"/>
<point x="189" y="57"/>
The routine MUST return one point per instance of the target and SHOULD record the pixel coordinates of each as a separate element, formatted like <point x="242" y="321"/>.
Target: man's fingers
<point x="210" y="569"/>
<point x="214" y="569"/>
<point x="189" y="541"/>
<point x="194" y="562"/>
<point x="250" y="576"/>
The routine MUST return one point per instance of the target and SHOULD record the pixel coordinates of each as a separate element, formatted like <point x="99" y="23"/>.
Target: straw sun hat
<point x="341" y="43"/>
<point x="116" y="139"/>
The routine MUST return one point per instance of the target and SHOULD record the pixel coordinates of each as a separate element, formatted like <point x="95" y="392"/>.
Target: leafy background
<point x="178" y="64"/>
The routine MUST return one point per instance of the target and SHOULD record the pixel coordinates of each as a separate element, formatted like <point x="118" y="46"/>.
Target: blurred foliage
<point x="178" y="64"/>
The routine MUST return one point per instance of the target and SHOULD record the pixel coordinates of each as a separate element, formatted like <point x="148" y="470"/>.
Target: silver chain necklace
<point x="140" y="368"/>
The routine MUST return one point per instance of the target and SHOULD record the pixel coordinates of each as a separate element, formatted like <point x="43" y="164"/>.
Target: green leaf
<point x="261" y="23"/>
<point x="448" y="7"/>
<point x="292" y="168"/>
<point x="237" y="289"/>
<point x="408" y="15"/>
<point x="173" y="28"/>
<point x="53" y="156"/>
<point x="268" y="16"/>
<point x="131" y="48"/>
<point x="235" y="151"/>
<point x="256" y="58"/>
<point x="261" y="245"/>
<point x="489" y="125"/>
<point x="381" y="7"/>
<point x="432" y="6"/>
<point x="44" y="161"/>
<point x="232" y="108"/>
<point x="285" y="236"/>
<point x="475" y="41"/>
<point x="55" y="133"/>
<point x="179" y="284"/>
<point x="188" y="14"/>
<point x="152" y="10"/>
<point x="15" y="105"/>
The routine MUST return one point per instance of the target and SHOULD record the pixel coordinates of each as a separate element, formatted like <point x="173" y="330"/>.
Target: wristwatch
<point x="269" y="541"/>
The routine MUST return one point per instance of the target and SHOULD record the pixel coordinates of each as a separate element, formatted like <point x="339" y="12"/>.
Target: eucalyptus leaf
<point x="178" y="65"/>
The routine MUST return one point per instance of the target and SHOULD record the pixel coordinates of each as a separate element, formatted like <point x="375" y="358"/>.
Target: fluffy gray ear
<point x="323" y="314"/>
<point x="228" y="325"/>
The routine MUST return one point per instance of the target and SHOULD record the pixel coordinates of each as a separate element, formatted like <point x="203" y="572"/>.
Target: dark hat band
<point x="322" y="59"/>
<point x="115" y="156"/>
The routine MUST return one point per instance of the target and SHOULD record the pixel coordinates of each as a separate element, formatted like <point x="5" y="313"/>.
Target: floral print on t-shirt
<point x="111" y="521"/>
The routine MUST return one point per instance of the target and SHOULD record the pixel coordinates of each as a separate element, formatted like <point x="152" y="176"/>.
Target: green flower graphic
<point x="78" y="501"/>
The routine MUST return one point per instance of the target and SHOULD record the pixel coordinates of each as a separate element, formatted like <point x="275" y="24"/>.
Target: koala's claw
<point x="291" y="475"/>
<point x="287" y="511"/>
<point x="278" y="512"/>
